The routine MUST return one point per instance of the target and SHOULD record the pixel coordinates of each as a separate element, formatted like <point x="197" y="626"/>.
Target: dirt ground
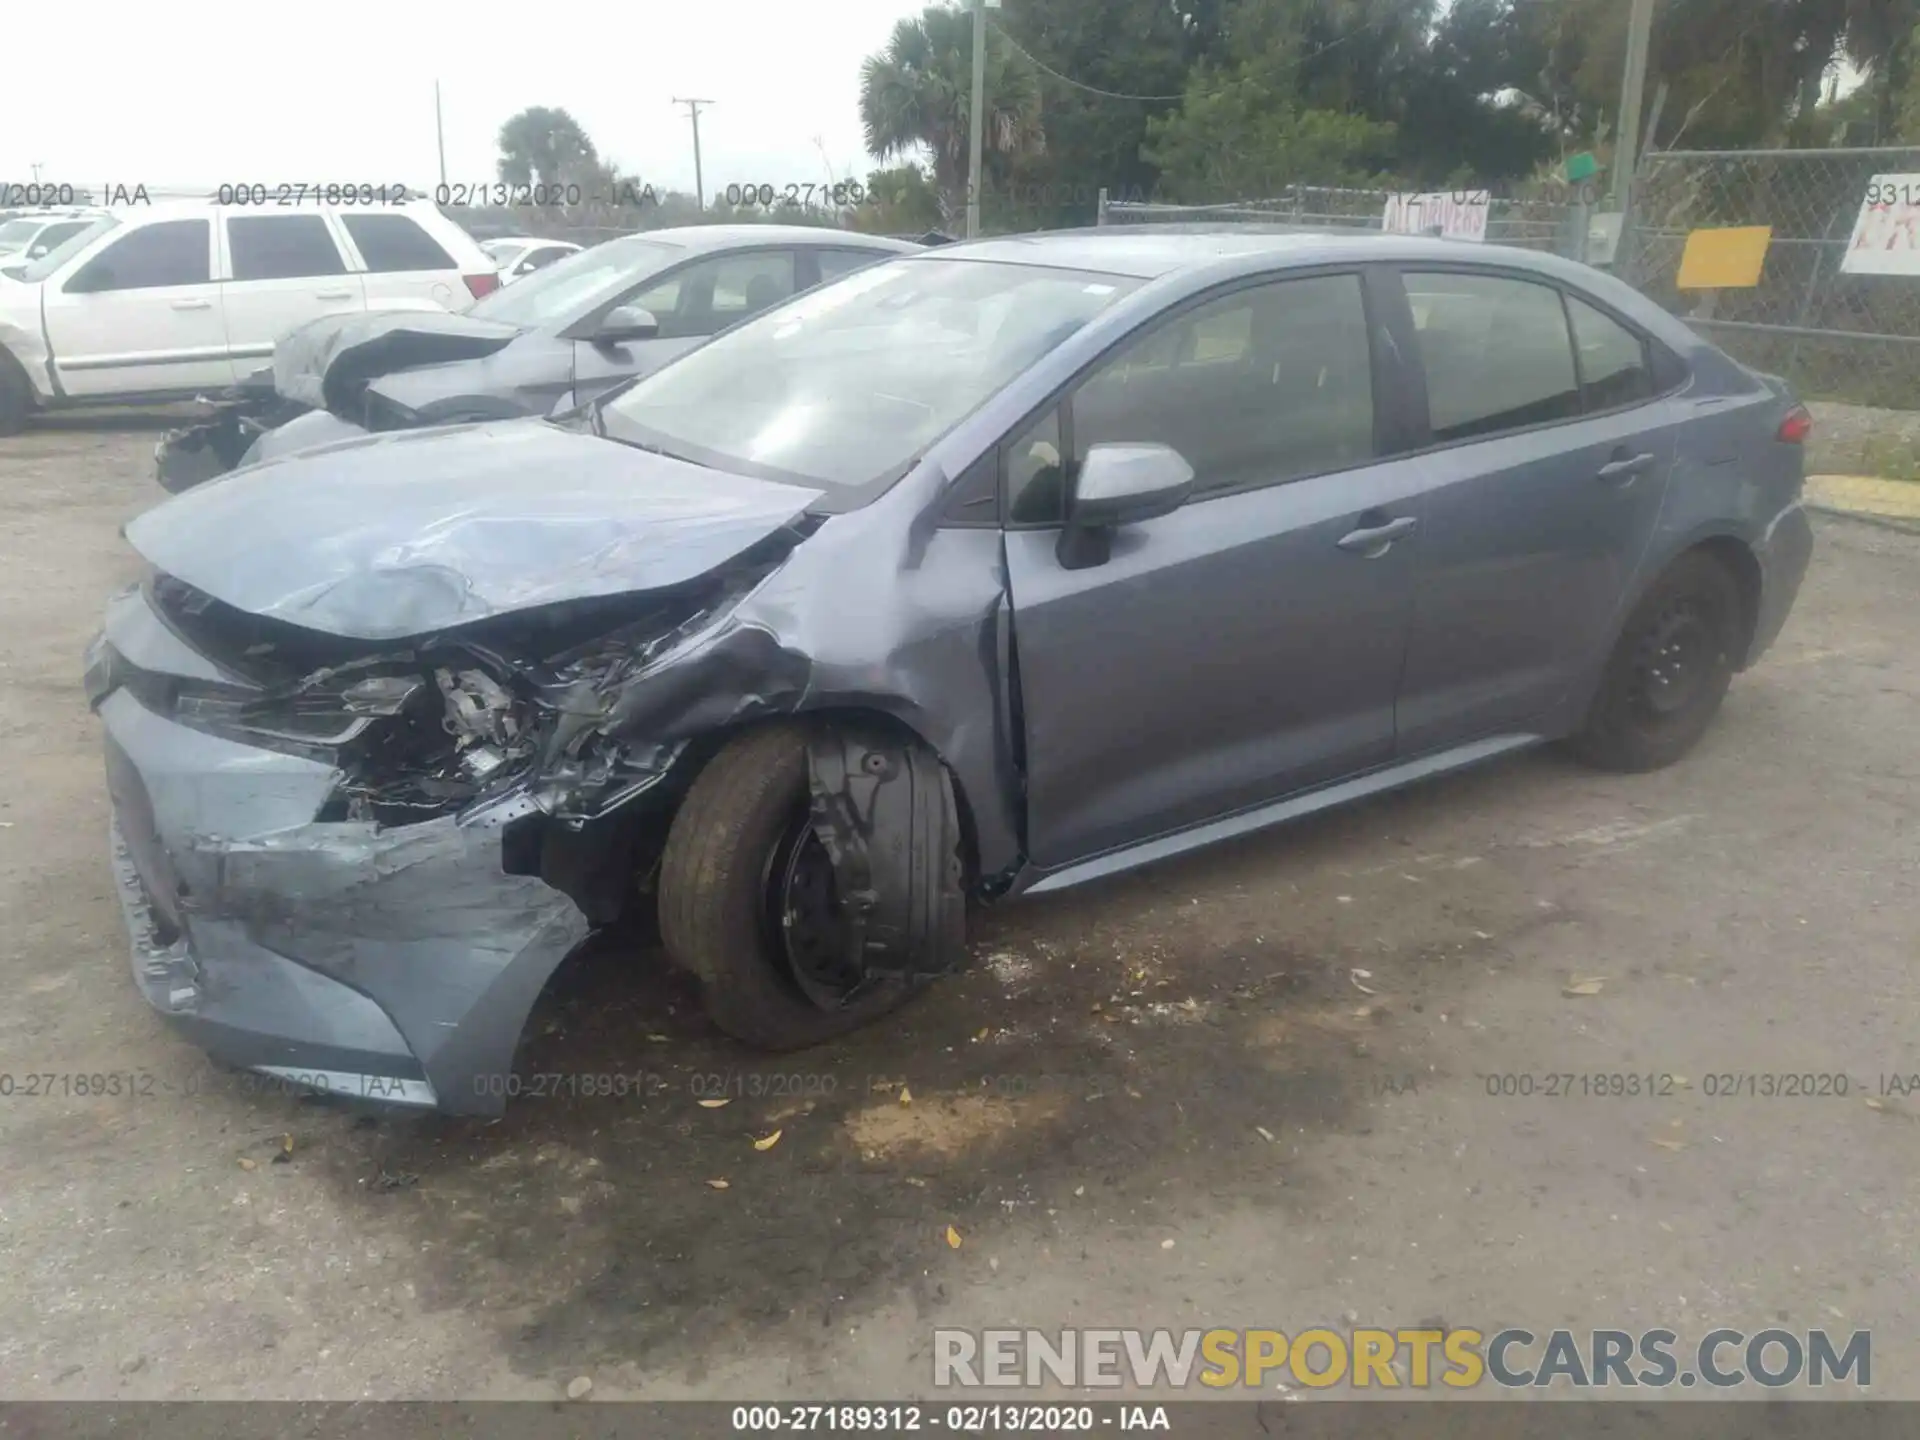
<point x="1161" y="1101"/>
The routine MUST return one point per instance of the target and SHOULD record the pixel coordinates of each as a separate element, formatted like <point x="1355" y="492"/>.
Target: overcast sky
<point x="226" y="92"/>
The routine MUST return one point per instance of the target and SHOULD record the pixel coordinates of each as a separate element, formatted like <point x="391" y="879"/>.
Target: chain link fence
<point x="1853" y="338"/>
<point x="1537" y="224"/>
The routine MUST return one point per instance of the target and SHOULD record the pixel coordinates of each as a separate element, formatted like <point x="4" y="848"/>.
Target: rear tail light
<point x="1798" y="425"/>
<point x="482" y="284"/>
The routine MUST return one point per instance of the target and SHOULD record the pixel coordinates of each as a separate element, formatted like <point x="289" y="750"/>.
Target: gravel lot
<point x="1184" y="1056"/>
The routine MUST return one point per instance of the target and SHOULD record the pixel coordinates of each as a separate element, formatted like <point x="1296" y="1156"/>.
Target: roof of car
<point x="1150" y="251"/>
<point x="725" y="237"/>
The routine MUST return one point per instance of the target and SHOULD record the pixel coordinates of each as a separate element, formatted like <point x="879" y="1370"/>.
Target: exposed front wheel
<point x="1669" y="672"/>
<point x="749" y="904"/>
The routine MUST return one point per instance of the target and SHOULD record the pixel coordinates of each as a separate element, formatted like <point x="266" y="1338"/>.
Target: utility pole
<point x="440" y="135"/>
<point x="977" y="118"/>
<point x="1633" y="91"/>
<point x="699" y="179"/>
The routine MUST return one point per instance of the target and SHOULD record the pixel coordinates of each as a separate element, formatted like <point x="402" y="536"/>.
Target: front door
<point x="1248" y="645"/>
<point x="141" y="315"/>
<point x="1552" y="461"/>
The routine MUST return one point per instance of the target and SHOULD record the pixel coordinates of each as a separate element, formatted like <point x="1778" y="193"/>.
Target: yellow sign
<point x="1725" y="259"/>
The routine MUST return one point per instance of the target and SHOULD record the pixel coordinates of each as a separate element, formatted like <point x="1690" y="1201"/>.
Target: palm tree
<point x="917" y="92"/>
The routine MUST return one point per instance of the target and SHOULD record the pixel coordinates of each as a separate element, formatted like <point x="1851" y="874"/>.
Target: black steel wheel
<point x="1669" y="672"/>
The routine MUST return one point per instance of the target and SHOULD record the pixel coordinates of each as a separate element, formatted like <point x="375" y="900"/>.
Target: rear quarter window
<point x="391" y="243"/>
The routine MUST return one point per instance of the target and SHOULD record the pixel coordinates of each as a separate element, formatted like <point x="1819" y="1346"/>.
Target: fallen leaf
<point x="1357" y="977"/>
<point x="916" y="1182"/>
<point x="1166" y="1244"/>
<point x="768" y="1142"/>
<point x="982" y="1035"/>
<point x="579" y="1387"/>
<point x="1590" y="986"/>
<point x="660" y="1039"/>
<point x="712" y="1104"/>
<point x="1264" y="1133"/>
<point x="716" y="1185"/>
<point x="286" y="1144"/>
<point x="906" y="1096"/>
<point x="246" y="1164"/>
<point x="1665" y="1144"/>
<point x="953" y="1238"/>
<point x="1079" y="1189"/>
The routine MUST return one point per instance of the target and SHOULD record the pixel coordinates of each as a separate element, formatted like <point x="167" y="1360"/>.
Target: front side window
<point x="281" y="247"/>
<point x="709" y="295"/>
<point x="391" y="244"/>
<point x="1613" y="360"/>
<point x="168" y="252"/>
<point x="1266" y="384"/>
<point x="847" y="386"/>
<point x="1495" y="352"/>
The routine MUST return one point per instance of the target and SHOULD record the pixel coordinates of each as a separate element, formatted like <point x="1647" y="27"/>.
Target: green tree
<point x="1091" y="58"/>
<point x="546" y="146"/>
<point x="916" y="94"/>
<point x="898" y="201"/>
<point x="1244" y="137"/>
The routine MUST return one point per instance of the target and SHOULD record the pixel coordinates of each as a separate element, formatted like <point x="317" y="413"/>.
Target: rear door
<point x="141" y="315"/>
<point x="282" y="271"/>
<point x="692" y="302"/>
<point x="1248" y="645"/>
<point x="403" y="264"/>
<point x="1549" y="459"/>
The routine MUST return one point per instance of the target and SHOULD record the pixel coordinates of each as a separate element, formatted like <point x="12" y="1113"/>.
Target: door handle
<point x="1624" y="469"/>
<point x="1372" y="541"/>
<point x="193" y="304"/>
<point x="333" y="295"/>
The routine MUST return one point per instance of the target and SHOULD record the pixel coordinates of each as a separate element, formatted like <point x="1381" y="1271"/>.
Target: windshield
<point x="847" y="385"/>
<point x="66" y="249"/>
<point x="560" y="293"/>
<point x="16" y="233"/>
<point x="502" y="252"/>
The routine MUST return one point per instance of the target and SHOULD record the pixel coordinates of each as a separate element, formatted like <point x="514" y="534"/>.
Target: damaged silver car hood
<point x="401" y="534"/>
<point x="325" y="361"/>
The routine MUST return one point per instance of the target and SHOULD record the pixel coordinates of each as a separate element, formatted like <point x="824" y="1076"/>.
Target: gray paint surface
<point x="1228" y="665"/>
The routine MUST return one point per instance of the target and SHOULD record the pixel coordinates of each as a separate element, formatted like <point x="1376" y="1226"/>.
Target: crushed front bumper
<point x="194" y="454"/>
<point x="394" y="965"/>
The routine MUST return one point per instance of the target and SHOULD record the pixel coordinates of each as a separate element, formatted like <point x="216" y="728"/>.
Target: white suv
<point x="167" y="301"/>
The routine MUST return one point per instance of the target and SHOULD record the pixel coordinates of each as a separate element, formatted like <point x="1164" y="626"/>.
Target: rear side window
<point x="168" y="252"/>
<point x="1496" y="353"/>
<point x="394" y="242"/>
<point x="1613" y="360"/>
<point x="835" y="263"/>
<point x="281" y="247"/>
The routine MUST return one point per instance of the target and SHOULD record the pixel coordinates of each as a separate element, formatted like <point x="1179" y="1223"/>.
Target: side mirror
<point x="1120" y="484"/>
<point x="624" y="323"/>
<point x="34" y="252"/>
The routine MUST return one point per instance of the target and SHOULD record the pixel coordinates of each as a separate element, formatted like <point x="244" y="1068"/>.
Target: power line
<point x="1311" y="55"/>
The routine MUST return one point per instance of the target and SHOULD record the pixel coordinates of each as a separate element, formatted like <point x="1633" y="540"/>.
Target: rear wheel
<point x="749" y="904"/>
<point x="1669" y="672"/>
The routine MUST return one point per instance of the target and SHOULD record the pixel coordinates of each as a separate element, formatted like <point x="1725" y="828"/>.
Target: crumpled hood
<point x="326" y="362"/>
<point x="401" y="534"/>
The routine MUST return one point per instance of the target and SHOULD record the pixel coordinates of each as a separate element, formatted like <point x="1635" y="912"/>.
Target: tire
<point x="716" y="883"/>
<point x="16" y="396"/>
<point x="1669" y="672"/>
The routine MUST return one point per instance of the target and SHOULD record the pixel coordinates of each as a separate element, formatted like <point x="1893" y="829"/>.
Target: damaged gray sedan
<point x="984" y="571"/>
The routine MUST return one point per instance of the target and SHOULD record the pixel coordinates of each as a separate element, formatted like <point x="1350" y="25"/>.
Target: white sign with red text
<point x="1457" y="214"/>
<point x="1886" y="237"/>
